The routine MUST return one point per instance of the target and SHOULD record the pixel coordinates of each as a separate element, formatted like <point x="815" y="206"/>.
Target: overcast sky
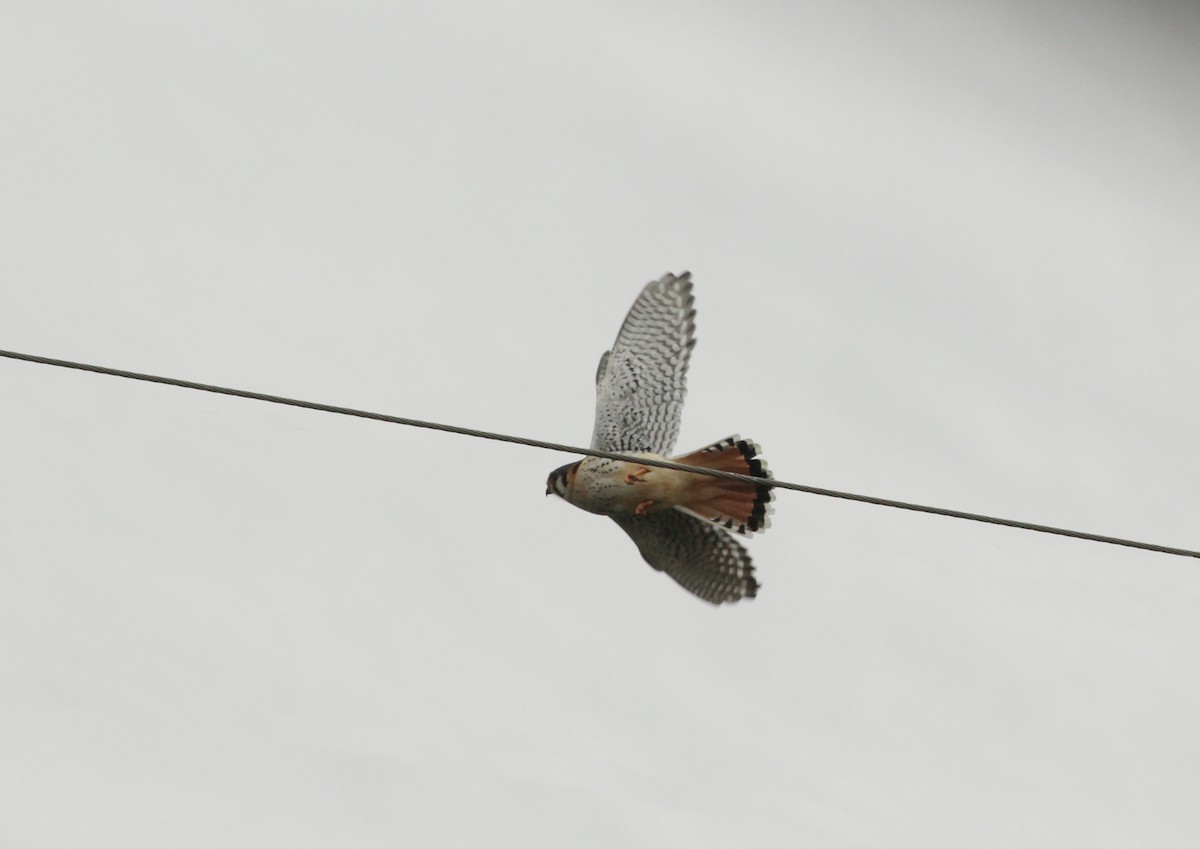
<point x="943" y="252"/>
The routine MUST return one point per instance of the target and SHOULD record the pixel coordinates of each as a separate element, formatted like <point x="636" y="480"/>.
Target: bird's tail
<point x="744" y="508"/>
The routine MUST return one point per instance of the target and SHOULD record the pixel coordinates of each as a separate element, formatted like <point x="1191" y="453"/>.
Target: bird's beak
<point x="547" y="489"/>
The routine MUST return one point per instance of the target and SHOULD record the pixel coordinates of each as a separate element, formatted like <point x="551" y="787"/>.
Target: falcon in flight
<point x="682" y="523"/>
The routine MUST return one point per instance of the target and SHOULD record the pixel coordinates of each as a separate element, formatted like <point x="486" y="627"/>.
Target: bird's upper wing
<point x="641" y="382"/>
<point x="700" y="557"/>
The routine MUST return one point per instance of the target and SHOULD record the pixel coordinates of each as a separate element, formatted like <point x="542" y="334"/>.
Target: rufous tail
<point x="744" y="508"/>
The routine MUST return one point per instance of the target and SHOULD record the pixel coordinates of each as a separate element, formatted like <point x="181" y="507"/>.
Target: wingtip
<point x="683" y="279"/>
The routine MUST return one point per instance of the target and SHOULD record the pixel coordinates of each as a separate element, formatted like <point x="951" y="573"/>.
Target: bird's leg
<point x="643" y="508"/>
<point x="637" y="477"/>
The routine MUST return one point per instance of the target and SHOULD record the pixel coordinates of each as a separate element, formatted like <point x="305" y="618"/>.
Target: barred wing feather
<point x="641" y="382"/>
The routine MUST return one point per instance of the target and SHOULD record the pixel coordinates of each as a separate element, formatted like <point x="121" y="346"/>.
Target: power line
<point x="612" y="455"/>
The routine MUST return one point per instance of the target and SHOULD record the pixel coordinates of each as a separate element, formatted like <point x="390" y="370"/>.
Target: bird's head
<point x="561" y="479"/>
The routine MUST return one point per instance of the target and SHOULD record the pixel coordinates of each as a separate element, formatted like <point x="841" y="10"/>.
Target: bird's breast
<point x="611" y="487"/>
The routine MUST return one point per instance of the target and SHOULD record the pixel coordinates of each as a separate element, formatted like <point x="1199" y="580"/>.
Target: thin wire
<point x="591" y="452"/>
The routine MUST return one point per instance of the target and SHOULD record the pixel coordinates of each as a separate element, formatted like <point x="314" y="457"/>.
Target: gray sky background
<point x="946" y="253"/>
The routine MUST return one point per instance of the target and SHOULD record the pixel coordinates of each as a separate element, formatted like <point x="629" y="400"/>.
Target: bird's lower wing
<point x="700" y="557"/>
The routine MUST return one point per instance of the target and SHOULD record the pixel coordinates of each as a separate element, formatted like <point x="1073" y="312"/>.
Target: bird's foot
<point x="643" y="508"/>
<point x="637" y="477"/>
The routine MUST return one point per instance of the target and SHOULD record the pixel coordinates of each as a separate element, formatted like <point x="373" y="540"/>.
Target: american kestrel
<point x="681" y="522"/>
